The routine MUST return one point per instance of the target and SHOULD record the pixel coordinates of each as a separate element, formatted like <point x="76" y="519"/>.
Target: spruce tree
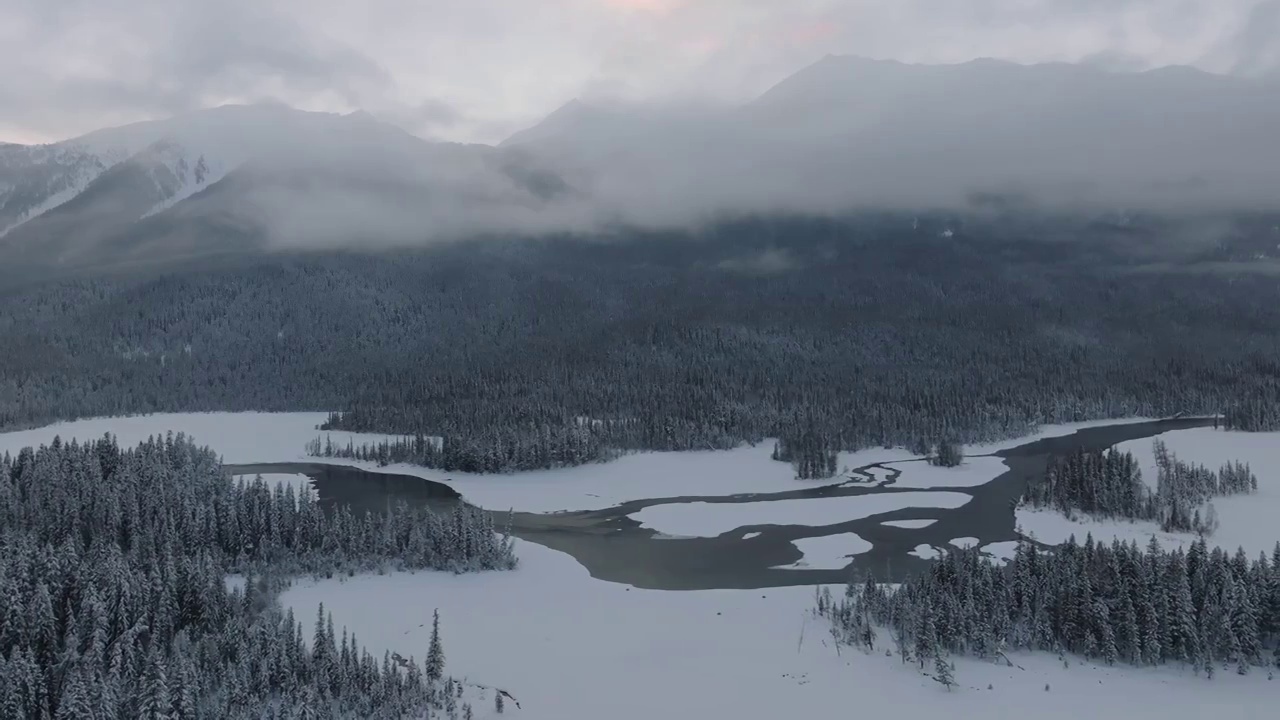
<point x="435" y="653"/>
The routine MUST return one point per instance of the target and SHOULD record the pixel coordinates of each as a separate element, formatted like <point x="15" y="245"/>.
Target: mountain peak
<point x="561" y="120"/>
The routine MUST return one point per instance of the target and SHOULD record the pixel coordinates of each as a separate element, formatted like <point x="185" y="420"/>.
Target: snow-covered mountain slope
<point x="35" y="179"/>
<point x="195" y="149"/>
<point x="110" y="202"/>
<point x="258" y="176"/>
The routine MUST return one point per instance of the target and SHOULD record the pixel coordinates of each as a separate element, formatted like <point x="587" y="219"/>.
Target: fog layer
<point x="841" y="135"/>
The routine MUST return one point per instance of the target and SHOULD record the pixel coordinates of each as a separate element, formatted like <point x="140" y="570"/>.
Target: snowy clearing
<point x="1213" y="449"/>
<point x="705" y="519"/>
<point x="750" y="535"/>
<point x="926" y="552"/>
<point x="744" y="654"/>
<point x="972" y="472"/>
<point x="965" y="542"/>
<point x="1247" y="521"/>
<point x="240" y="438"/>
<point x="909" y="524"/>
<point x="830" y="552"/>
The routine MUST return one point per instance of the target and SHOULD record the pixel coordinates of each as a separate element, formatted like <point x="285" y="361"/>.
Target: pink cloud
<point x="813" y="32"/>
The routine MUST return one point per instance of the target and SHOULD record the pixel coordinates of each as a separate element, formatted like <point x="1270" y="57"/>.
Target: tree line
<point x="1204" y="609"/>
<point x="114" y="601"/>
<point x="1110" y="484"/>
<point x="498" y="450"/>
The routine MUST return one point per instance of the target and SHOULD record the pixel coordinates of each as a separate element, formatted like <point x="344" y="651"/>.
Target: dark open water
<point x="614" y="547"/>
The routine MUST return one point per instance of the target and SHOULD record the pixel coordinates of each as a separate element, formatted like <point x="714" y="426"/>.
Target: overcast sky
<point x="476" y="70"/>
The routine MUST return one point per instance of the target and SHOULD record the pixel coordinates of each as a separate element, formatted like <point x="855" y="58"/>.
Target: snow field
<point x="569" y="647"/>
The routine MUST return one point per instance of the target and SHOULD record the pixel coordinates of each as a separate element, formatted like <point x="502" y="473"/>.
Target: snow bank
<point x="909" y="524"/>
<point x="829" y="552"/>
<point x="704" y="519"/>
<point x="569" y="647"/>
<point x="965" y="542"/>
<point x="1048" y="431"/>
<point x="972" y="472"/>
<point x="1050" y="526"/>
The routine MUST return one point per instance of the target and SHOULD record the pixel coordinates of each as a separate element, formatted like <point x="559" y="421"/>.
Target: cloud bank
<point x="477" y="70"/>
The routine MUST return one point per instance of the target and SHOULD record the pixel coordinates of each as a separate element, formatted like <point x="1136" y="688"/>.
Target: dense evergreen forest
<point x="1110" y="485"/>
<point x="870" y="330"/>
<point x="1115" y="604"/>
<point x="1259" y="413"/>
<point x="114" y="602"/>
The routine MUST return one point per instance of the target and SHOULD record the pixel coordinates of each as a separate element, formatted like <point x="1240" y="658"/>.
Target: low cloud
<point x="472" y="70"/>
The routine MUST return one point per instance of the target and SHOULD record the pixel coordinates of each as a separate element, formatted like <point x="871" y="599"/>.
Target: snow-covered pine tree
<point x="435" y="653"/>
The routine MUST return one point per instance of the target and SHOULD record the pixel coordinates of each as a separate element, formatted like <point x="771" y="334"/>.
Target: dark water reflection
<point x="614" y="547"/>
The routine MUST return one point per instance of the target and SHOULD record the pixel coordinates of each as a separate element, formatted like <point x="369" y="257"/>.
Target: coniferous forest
<point x="1205" y="609"/>
<point x="1110" y="485"/>
<point x="114" y="601"/>
<point x="873" y="329"/>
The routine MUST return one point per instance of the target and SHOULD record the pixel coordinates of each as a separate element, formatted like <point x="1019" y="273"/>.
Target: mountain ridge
<point x="842" y="134"/>
<point x="126" y="175"/>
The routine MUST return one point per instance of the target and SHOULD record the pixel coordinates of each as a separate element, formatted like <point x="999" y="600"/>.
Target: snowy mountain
<point x="842" y="134"/>
<point x="36" y="179"/>
<point x="262" y="176"/>
<point x="849" y="131"/>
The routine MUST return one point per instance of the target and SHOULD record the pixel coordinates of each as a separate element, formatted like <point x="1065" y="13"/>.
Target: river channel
<point x="613" y="546"/>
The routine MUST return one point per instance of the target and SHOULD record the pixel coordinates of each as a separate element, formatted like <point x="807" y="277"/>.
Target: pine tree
<point x="435" y="653"/>
<point x="154" y="701"/>
<point x="942" y="670"/>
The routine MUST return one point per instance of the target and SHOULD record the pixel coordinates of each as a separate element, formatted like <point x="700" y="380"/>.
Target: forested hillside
<point x="868" y="330"/>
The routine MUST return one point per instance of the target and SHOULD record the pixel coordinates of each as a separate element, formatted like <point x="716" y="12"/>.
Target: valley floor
<point x="571" y="647"/>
